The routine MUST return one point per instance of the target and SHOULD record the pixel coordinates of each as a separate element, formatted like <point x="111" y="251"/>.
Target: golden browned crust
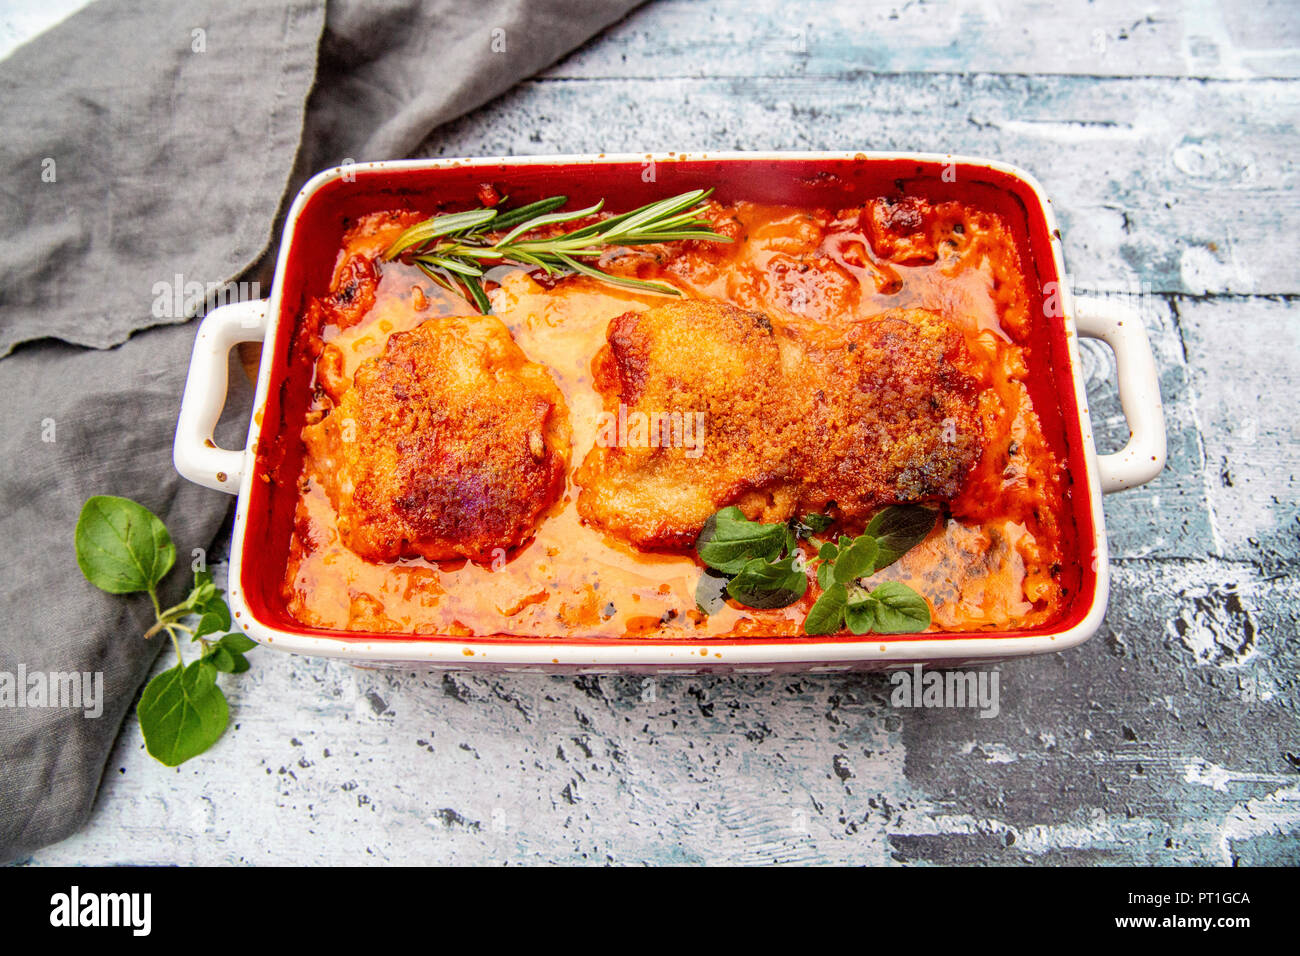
<point x="450" y="444"/>
<point x="899" y="421"/>
<point x="866" y="414"/>
<point x="687" y="358"/>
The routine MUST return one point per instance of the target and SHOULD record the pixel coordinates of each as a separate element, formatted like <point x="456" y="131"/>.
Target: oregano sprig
<point x="123" y="548"/>
<point x="760" y="565"/>
<point x="455" y="250"/>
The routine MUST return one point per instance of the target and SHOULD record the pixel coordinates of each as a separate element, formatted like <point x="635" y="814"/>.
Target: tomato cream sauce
<point x="993" y="562"/>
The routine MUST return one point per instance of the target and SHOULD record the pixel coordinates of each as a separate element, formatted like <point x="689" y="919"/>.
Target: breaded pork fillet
<point x="866" y="414"/>
<point x="677" y="362"/>
<point x="896" y="417"/>
<point x="449" y="444"/>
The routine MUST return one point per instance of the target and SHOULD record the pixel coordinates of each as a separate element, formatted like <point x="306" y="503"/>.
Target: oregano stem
<point x="177" y="645"/>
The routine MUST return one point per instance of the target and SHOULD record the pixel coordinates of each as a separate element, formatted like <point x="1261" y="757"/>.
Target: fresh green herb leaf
<point x="899" y="528"/>
<point x="182" y="712"/>
<point x="214" y="614"/>
<point x="215" y="605"/>
<point x="222" y="659"/>
<point x="827" y="615"/>
<point x="468" y="269"/>
<point x="551" y="219"/>
<point x="237" y="642"/>
<point x="227" y="654"/>
<point x="817" y="523"/>
<point x="211" y="622"/>
<point x="856" y="561"/>
<point x="513" y="217"/>
<point x="765" y="584"/>
<point x="439" y="277"/>
<point x="420" y="234"/>
<point x="646" y="285"/>
<point x="121" y="546"/>
<point x="478" y="295"/>
<point x="860" y="615"/>
<point x="204" y="592"/>
<point x="766" y="570"/>
<point x="891" y="608"/>
<point x="766" y="566"/>
<point x="728" y="541"/>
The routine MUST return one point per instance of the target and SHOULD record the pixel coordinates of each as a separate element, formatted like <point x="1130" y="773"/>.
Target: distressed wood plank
<point x="689" y="38"/>
<point x="1243" y="357"/>
<point x="1169" y="517"/>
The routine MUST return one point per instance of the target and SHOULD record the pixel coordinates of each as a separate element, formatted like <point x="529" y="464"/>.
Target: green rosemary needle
<point x="456" y="249"/>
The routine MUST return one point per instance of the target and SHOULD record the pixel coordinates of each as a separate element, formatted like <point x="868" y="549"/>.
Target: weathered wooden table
<point x="1168" y="139"/>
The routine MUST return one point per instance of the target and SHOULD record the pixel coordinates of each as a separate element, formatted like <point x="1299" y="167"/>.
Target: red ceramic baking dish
<point x="262" y="474"/>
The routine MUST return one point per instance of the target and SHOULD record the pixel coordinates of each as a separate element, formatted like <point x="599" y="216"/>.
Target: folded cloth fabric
<point x="148" y="145"/>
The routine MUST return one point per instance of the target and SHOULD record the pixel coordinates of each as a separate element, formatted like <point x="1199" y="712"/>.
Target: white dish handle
<point x="1119" y="325"/>
<point x="194" y="453"/>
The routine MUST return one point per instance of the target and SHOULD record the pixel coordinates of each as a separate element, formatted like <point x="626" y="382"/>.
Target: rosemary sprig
<point x="455" y="250"/>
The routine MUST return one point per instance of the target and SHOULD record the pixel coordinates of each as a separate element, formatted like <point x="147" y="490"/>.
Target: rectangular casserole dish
<point x="265" y="508"/>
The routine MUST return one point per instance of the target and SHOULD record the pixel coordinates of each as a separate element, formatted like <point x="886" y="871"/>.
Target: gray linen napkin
<point x="147" y="144"/>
